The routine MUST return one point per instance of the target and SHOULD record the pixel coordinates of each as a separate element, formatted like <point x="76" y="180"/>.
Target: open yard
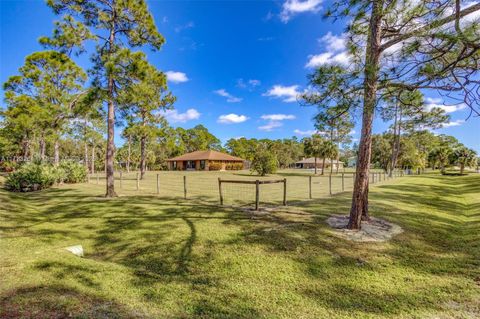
<point x="152" y="257"/>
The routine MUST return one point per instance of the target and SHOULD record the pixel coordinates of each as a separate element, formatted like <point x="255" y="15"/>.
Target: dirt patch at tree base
<point x="374" y="230"/>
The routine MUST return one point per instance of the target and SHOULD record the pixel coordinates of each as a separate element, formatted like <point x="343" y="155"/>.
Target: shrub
<point x="33" y="177"/>
<point x="264" y="162"/>
<point x="8" y="166"/>
<point x="234" y="166"/>
<point x="214" y="166"/>
<point x="73" y="172"/>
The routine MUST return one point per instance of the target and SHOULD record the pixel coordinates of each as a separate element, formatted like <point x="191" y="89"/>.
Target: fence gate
<point x="252" y="185"/>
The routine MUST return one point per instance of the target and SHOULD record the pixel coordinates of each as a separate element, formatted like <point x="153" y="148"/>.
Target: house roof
<point x="206" y="155"/>
<point x="311" y="160"/>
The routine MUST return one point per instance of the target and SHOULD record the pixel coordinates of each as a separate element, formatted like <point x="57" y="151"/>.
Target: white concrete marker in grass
<point x="77" y="250"/>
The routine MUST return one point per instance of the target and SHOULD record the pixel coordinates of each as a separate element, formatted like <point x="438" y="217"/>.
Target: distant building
<point x="205" y="161"/>
<point x="310" y="163"/>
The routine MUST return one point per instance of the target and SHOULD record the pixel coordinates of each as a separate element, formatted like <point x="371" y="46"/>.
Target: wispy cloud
<point x="250" y="84"/>
<point x="294" y="7"/>
<point x="286" y="93"/>
<point x="335" y="53"/>
<point x="188" y="25"/>
<point x="174" y="116"/>
<point x="274" y="121"/>
<point x="453" y="123"/>
<point x="439" y="103"/>
<point x="278" y="117"/>
<point x="230" y="98"/>
<point x="265" y="39"/>
<point x="176" y="77"/>
<point x="270" y="126"/>
<point x="305" y="133"/>
<point x="231" y="118"/>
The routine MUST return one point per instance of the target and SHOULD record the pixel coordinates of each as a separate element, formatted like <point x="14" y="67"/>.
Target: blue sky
<point x="235" y="66"/>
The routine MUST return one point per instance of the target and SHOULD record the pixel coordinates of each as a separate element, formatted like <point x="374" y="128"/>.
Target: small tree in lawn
<point x="264" y="162"/>
<point x="441" y="155"/>
<point x="465" y="157"/>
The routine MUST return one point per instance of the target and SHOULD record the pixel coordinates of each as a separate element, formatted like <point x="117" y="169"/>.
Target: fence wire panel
<point x="271" y="194"/>
<point x="238" y="194"/>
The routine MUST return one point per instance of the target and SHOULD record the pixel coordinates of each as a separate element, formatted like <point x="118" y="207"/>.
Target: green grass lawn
<point x="165" y="258"/>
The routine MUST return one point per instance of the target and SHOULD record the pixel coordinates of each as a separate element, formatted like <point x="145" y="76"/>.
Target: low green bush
<point x="73" y="172"/>
<point x="32" y="177"/>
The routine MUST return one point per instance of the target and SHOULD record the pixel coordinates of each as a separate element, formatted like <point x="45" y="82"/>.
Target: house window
<point x="174" y="165"/>
<point x="202" y="164"/>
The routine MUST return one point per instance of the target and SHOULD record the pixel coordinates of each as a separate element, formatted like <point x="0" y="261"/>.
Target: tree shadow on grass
<point x="58" y="301"/>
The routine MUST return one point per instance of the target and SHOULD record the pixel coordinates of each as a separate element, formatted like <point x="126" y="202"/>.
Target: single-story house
<point x="205" y="161"/>
<point x="310" y="163"/>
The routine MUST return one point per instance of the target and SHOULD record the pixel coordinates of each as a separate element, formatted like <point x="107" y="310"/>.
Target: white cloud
<point x="188" y="25"/>
<point x="305" y="133"/>
<point x="336" y="52"/>
<point x="278" y="117"/>
<point x="250" y="84"/>
<point x="174" y="116"/>
<point x="287" y="93"/>
<point x="270" y="126"/>
<point x="231" y="118"/>
<point x="437" y="102"/>
<point x="293" y="7"/>
<point x="454" y="123"/>
<point x="230" y="98"/>
<point x="176" y="77"/>
<point x="254" y="82"/>
<point x="334" y="42"/>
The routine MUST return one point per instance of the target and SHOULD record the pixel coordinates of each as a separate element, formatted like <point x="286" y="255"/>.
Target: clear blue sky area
<point x="235" y="66"/>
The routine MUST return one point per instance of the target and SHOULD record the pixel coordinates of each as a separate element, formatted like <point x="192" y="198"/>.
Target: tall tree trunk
<point x="92" y="163"/>
<point x="315" y="165"/>
<point x="56" y="153"/>
<point x="323" y="165"/>
<point x="85" y="154"/>
<point x="129" y="154"/>
<point x="359" y="208"/>
<point x="25" y="148"/>
<point x="109" y="161"/>
<point x="462" y="167"/>
<point x="142" y="157"/>
<point x="338" y="158"/>
<point x="42" y="147"/>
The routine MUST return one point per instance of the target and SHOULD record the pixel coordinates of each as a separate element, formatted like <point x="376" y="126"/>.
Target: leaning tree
<point x="405" y="44"/>
<point x="115" y="26"/>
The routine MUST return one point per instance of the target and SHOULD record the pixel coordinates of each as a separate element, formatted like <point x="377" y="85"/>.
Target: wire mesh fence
<point x="210" y="187"/>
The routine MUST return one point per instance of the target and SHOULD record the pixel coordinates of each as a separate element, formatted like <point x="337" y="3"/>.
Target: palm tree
<point x="313" y="148"/>
<point x="464" y="157"/>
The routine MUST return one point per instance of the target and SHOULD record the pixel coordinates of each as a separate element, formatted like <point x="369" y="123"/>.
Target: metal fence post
<point x="158" y="184"/>
<point x="284" y="192"/>
<point x="310" y="187"/>
<point x="138" y="181"/>
<point x="121" y="177"/>
<point x="220" y="190"/>
<point x="185" y="186"/>
<point x="343" y="182"/>
<point x="257" y="193"/>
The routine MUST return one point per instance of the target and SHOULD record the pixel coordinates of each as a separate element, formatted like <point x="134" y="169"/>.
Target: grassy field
<point x="169" y="258"/>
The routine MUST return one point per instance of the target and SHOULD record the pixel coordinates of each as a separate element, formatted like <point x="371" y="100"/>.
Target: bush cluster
<point x="234" y="166"/>
<point x="36" y="176"/>
<point x="73" y="172"/>
<point x="214" y="166"/>
<point x="8" y="166"/>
